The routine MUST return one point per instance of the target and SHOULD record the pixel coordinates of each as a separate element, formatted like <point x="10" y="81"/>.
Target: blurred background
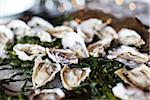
<point x="10" y="9"/>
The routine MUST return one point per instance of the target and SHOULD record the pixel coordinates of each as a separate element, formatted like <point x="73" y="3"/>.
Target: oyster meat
<point x="139" y="77"/>
<point x="130" y="37"/>
<point x="44" y="71"/>
<point x="62" y="56"/>
<point x="72" y="78"/>
<point x="129" y="93"/>
<point x="47" y="94"/>
<point x="29" y="51"/>
<point x="38" y="22"/>
<point x="128" y="55"/>
<point x="75" y="42"/>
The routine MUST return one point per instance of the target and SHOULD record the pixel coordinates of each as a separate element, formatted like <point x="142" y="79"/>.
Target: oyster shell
<point x="19" y="27"/>
<point x="72" y="78"/>
<point x="43" y="72"/>
<point x="88" y="28"/>
<point x="47" y="94"/>
<point x="28" y="51"/>
<point x="129" y="93"/>
<point x="74" y="42"/>
<point x="128" y="55"/>
<point x="139" y="77"/>
<point x="130" y="37"/>
<point x="12" y="80"/>
<point x="62" y="56"/>
<point x="60" y="31"/>
<point x="43" y="35"/>
<point x="38" y="22"/>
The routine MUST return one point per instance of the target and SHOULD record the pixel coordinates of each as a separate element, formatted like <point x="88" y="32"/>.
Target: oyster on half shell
<point x="128" y="55"/>
<point x="47" y="94"/>
<point x="60" y="31"/>
<point x="130" y="37"/>
<point x="137" y="77"/>
<point x="37" y="22"/>
<point x="62" y="56"/>
<point x="75" y="42"/>
<point x="129" y="93"/>
<point x="44" y="71"/>
<point x="29" y="51"/>
<point x="72" y="78"/>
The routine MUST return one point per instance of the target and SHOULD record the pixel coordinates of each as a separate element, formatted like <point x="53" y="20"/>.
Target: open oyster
<point x="72" y="78"/>
<point x="47" y="94"/>
<point x="43" y="35"/>
<point x="129" y="93"/>
<point x="28" y="51"/>
<point x="38" y="22"/>
<point x="6" y="35"/>
<point x="128" y="55"/>
<point x="130" y="37"/>
<point x="76" y="43"/>
<point x="19" y="27"/>
<point x="88" y="28"/>
<point x="62" y="56"/>
<point x="60" y="31"/>
<point x="43" y="72"/>
<point x="139" y="77"/>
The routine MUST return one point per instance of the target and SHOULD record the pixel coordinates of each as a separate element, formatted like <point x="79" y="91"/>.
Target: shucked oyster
<point x="43" y="35"/>
<point x="28" y="51"/>
<point x="60" y="31"/>
<point x="38" y="22"/>
<point x="6" y="35"/>
<point x="47" y="94"/>
<point x="137" y="77"/>
<point x="128" y="55"/>
<point x="88" y="28"/>
<point x="19" y="27"/>
<point x="76" y="43"/>
<point x="62" y="56"/>
<point x="43" y="72"/>
<point x="72" y="78"/>
<point x="130" y="37"/>
<point x="129" y="93"/>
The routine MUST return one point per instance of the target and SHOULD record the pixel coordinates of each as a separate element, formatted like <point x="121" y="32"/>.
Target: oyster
<point x="129" y="93"/>
<point x="28" y="51"/>
<point x="47" y="94"/>
<point x="72" y="78"/>
<point x="62" y="56"/>
<point x="6" y="35"/>
<point x="43" y="35"/>
<point x="130" y="37"/>
<point x="19" y="27"/>
<point x="73" y="24"/>
<point x="128" y="55"/>
<point x="88" y="28"/>
<point x="38" y="22"/>
<point x="43" y="71"/>
<point x="139" y="77"/>
<point x="74" y="42"/>
<point x="60" y="31"/>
